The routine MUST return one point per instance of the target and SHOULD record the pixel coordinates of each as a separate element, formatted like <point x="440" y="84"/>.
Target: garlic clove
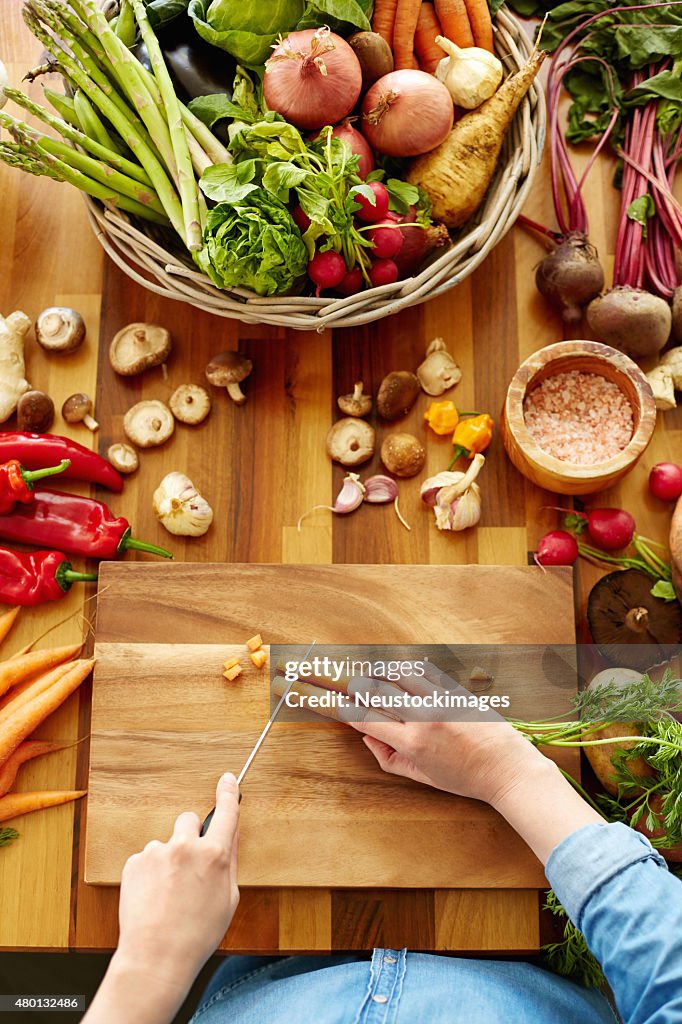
<point x="351" y="495"/>
<point x="465" y="512"/>
<point x="380" y="489"/>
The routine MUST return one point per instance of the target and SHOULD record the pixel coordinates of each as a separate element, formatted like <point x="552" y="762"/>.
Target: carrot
<point x="383" y="21"/>
<point x="15" y="804"/>
<point x="454" y="20"/>
<point x="7" y="620"/>
<point x="428" y="27"/>
<point x="25" y="692"/>
<point x="25" y="719"/>
<point x="18" y="669"/>
<point x="481" y="23"/>
<point x="456" y="175"/>
<point x="25" y="752"/>
<point x="406" y="19"/>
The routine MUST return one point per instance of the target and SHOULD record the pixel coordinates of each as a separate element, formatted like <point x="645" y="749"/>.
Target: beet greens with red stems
<point x="622" y="67"/>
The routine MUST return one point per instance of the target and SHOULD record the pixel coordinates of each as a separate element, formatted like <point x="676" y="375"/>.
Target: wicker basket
<point x="139" y="248"/>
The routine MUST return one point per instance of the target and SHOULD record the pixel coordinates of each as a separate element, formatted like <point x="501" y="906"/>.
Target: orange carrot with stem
<point x="15" y="804"/>
<point x="383" y="20"/>
<point x="25" y="752"/>
<point x="7" y="620"/>
<point x="26" y="719"/>
<point x="454" y="20"/>
<point x="428" y="27"/>
<point x="25" y="692"/>
<point x="18" y="669"/>
<point x="481" y="23"/>
<point x="406" y="18"/>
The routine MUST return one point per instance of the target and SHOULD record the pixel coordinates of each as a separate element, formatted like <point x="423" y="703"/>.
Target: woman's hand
<point x="177" y="901"/>
<point x="178" y="898"/>
<point x="480" y="755"/>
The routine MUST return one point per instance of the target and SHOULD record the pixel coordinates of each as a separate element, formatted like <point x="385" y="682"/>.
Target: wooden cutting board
<point x="317" y="811"/>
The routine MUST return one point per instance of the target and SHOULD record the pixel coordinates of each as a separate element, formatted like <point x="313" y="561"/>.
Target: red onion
<point x="358" y="143"/>
<point x="407" y="113"/>
<point x="312" y="79"/>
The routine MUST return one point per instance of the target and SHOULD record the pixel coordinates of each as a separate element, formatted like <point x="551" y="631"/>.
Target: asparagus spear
<point x="84" y="163"/>
<point x="30" y="156"/>
<point x="73" y="134"/>
<point x="122" y="123"/>
<point x="62" y="104"/>
<point x="186" y="183"/>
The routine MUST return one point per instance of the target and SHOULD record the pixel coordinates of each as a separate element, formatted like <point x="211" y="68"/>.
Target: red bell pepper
<point x="34" y="577"/>
<point x="78" y="526"/>
<point x="17" y="483"/>
<point x="36" y="451"/>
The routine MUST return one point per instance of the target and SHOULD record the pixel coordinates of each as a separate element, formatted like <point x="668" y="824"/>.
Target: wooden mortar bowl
<point x="558" y="475"/>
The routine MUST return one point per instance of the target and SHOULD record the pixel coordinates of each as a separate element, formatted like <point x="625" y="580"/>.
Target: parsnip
<point x="13" y="384"/>
<point x="457" y="174"/>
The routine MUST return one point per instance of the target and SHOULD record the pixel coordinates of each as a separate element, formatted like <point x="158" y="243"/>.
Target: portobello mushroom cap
<point x="629" y="626"/>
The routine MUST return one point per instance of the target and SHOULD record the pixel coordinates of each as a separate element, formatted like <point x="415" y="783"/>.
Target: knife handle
<point x="209" y="818"/>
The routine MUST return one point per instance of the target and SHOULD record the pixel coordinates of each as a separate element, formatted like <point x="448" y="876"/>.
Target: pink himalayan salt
<point x="579" y="417"/>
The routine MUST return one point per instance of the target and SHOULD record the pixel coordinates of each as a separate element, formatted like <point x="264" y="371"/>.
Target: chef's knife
<point x="259" y="741"/>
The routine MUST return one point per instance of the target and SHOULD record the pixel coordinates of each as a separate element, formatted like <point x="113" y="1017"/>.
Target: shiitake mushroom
<point x="630" y="626"/>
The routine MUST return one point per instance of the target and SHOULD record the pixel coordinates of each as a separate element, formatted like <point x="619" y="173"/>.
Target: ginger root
<point x="13" y="384"/>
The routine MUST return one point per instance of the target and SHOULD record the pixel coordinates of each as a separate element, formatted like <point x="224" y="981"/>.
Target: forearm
<point x="617" y="891"/>
<point x="544" y="808"/>
<point x="131" y="992"/>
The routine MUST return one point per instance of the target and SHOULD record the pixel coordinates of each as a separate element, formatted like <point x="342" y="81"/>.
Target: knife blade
<point x="259" y="741"/>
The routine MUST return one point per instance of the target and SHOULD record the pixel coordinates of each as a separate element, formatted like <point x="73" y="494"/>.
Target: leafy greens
<point x="249" y="28"/>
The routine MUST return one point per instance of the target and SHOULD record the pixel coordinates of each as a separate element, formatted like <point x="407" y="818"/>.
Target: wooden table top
<point x="270" y="467"/>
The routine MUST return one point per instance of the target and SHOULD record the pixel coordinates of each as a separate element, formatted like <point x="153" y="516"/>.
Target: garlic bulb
<point x="180" y="508"/>
<point x="470" y="75"/>
<point x="455" y="497"/>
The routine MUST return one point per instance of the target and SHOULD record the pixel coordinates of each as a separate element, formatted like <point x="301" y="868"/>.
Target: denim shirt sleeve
<point x="617" y="890"/>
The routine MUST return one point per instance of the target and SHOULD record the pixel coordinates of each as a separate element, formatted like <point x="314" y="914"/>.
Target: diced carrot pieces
<point x="255" y="642"/>
<point x="259" y="658"/>
<point x="233" y="672"/>
<point x="231" y="662"/>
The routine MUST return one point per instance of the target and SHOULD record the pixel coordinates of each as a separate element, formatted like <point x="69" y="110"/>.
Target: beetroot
<point x="630" y="319"/>
<point x="570" y="276"/>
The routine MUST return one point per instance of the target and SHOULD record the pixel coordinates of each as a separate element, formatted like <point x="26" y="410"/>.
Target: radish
<point x="665" y="481"/>
<point x="418" y="242"/>
<point x="301" y="219"/>
<point x="557" y="548"/>
<point x="327" y="270"/>
<point x="372" y="213"/>
<point x="352" y="283"/>
<point x="358" y="143"/>
<point x="610" y="528"/>
<point x="387" y="240"/>
<point x="383" y="272"/>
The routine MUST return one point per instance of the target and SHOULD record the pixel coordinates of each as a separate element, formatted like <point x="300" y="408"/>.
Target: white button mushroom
<point x="148" y="424"/>
<point x="180" y="508"/>
<point x="60" y="329"/>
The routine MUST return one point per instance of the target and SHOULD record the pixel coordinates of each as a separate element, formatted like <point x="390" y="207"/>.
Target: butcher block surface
<point x="316" y="810"/>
